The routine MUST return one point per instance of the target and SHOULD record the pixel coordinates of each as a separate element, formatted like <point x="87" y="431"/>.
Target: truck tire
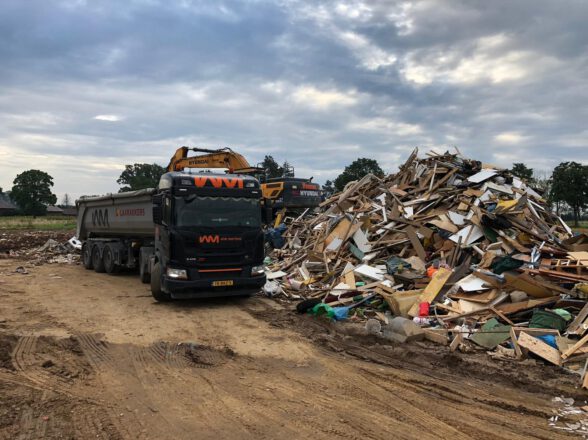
<point x="156" y="291"/>
<point x="143" y="272"/>
<point x="97" y="260"/>
<point x="108" y="260"/>
<point x="87" y="256"/>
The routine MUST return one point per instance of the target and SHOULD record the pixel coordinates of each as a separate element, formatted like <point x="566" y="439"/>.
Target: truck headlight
<point x="177" y="274"/>
<point x="257" y="270"/>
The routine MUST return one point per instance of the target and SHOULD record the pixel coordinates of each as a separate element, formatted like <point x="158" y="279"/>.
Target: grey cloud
<point x="316" y="83"/>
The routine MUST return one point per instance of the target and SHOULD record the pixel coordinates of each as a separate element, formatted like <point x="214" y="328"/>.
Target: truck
<point x="194" y="236"/>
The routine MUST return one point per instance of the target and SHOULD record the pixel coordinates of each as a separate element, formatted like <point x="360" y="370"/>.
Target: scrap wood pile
<point x="468" y="253"/>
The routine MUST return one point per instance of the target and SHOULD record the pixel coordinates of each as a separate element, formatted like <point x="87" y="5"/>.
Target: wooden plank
<point x="515" y="343"/>
<point x="580" y="257"/>
<point x="432" y="290"/>
<point x="349" y="276"/>
<point x="559" y="274"/>
<point x="536" y="331"/>
<point x="540" y="348"/>
<point x="509" y="308"/>
<point x="439" y="337"/>
<point x="570" y="351"/>
<point x="576" y="328"/>
<point x="502" y="316"/>
<point x="416" y="243"/>
<point x="456" y="341"/>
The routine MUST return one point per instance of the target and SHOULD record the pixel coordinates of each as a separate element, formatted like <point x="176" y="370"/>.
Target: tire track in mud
<point x="183" y="365"/>
<point x="102" y="361"/>
<point x="45" y="388"/>
<point x="24" y="362"/>
<point x="497" y="410"/>
<point x="93" y="424"/>
<point x="95" y="349"/>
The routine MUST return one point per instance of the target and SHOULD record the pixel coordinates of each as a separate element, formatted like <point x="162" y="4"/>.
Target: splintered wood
<point x="446" y="241"/>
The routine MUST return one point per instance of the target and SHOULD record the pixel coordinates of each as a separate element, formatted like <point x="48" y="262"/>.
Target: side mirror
<point x="158" y="209"/>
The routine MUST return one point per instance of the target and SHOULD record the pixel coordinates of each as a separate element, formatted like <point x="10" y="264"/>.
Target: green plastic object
<point x="504" y="264"/>
<point x="563" y="313"/>
<point x="323" y="309"/>
<point x="547" y="319"/>
<point x="492" y="334"/>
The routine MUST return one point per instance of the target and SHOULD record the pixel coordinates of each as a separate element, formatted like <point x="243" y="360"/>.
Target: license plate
<point x="222" y="283"/>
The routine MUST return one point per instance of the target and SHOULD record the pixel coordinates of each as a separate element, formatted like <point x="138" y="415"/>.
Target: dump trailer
<point x="196" y="235"/>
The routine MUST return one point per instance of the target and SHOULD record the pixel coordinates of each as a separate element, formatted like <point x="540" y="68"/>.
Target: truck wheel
<point x="87" y="256"/>
<point x="156" y="291"/>
<point x="143" y="272"/>
<point x="96" y="260"/>
<point x="108" y="260"/>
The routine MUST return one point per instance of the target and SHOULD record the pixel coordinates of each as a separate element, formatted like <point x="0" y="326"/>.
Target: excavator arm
<point x="221" y="158"/>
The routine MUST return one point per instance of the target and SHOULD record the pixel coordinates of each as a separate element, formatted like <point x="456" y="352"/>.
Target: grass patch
<point x="28" y="223"/>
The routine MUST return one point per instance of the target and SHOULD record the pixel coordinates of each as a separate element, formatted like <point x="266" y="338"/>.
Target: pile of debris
<point x="447" y="249"/>
<point x="38" y="249"/>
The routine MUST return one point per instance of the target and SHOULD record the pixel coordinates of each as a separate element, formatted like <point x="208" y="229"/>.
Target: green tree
<point x="287" y="169"/>
<point x="356" y="170"/>
<point x="522" y="171"/>
<point x="328" y="188"/>
<point x="569" y="184"/>
<point x="32" y="192"/>
<point x="271" y="167"/>
<point x="140" y="176"/>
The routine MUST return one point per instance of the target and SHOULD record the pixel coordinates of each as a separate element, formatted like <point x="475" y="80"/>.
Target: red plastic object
<point x="424" y="309"/>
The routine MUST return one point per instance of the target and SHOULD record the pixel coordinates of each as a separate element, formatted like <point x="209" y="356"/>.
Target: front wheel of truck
<point x="156" y="291"/>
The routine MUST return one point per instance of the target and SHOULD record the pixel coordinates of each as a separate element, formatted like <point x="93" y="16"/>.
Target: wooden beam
<point x="570" y="351"/>
<point x="540" y="348"/>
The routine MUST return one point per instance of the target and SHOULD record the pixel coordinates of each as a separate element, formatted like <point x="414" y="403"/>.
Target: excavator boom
<point x="221" y="158"/>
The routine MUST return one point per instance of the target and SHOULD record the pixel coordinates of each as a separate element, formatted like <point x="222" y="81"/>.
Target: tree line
<point x="565" y="188"/>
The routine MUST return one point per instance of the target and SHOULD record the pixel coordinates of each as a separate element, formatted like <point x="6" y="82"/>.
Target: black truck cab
<point x="208" y="236"/>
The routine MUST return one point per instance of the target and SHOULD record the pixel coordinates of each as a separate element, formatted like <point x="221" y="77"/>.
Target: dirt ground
<point x="86" y="355"/>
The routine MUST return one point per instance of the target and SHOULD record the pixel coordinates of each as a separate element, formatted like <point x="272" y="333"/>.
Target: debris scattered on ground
<point x="40" y="247"/>
<point x="466" y="251"/>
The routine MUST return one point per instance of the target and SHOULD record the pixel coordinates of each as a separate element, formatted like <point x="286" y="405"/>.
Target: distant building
<point x="70" y="212"/>
<point x="6" y="206"/>
<point x="54" y="210"/>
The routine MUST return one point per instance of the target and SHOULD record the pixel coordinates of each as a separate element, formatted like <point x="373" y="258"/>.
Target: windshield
<point x="198" y="211"/>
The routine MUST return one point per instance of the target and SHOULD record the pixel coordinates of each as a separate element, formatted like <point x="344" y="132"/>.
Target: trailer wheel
<point x="143" y="272"/>
<point x="108" y="260"/>
<point x="97" y="260"/>
<point x="87" y="256"/>
<point x="156" y="291"/>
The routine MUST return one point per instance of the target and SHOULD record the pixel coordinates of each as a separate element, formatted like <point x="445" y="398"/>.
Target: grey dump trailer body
<point x="127" y="214"/>
<point x="194" y="236"/>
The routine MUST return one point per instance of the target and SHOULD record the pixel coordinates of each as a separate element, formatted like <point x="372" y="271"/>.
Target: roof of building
<point x="6" y="203"/>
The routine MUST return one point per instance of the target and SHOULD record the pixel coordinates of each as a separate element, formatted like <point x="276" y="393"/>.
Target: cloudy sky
<point x="88" y="86"/>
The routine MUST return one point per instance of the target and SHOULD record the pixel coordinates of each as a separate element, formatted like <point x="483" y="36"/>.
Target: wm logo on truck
<point x="100" y="218"/>
<point x="218" y="182"/>
<point x="209" y="239"/>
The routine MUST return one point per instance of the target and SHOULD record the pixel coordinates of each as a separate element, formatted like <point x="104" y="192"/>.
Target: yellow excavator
<point x="279" y="193"/>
